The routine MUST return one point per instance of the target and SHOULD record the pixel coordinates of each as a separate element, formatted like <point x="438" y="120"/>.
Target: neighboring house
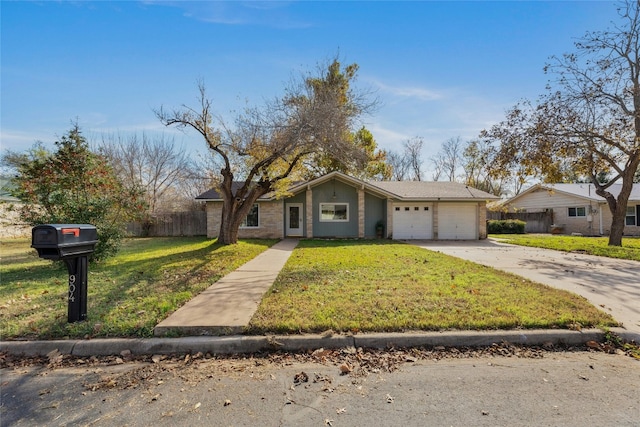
<point x="576" y="208"/>
<point x="338" y="205"/>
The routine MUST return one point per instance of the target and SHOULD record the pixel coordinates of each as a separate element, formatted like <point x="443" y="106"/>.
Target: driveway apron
<point x="610" y="284"/>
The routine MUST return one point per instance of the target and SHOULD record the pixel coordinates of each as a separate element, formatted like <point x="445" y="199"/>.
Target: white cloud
<point x="274" y="14"/>
<point x="16" y="140"/>
<point x="414" y="92"/>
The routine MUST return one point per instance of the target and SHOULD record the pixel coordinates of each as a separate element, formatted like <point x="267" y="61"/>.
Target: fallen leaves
<point x="594" y="345"/>
<point x="300" y="377"/>
<point x="154" y="370"/>
<point x="345" y="368"/>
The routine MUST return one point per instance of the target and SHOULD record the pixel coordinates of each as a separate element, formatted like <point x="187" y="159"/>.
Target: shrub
<point x="508" y="226"/>
<point x="73" y="185"/>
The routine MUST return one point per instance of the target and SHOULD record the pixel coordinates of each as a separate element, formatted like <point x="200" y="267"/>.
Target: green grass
<point x="362" y="286"/>
<point x="341" y="285"/>
<point x="630" y="248"/>
<point x="127" y="295"/>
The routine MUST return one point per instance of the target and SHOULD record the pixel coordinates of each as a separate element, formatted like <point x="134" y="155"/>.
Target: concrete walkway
<point x="612" y="285"/>
<point x="227" y="306"/>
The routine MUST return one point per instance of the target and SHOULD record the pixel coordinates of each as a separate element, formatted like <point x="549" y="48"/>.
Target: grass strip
<point x="630" y="248"/>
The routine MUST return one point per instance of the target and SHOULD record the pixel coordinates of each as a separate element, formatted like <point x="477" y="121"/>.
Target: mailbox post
<point x="72" y="244"/>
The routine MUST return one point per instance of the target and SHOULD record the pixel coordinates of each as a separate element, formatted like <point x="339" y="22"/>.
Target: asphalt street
<point x="559" y="389"/>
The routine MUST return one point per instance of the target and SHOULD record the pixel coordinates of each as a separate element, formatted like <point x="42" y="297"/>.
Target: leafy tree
<point x="376" y="166"/>
<point x="476" y="161"/>
<point x="73" y="185"/>
<point x="373" y="166"/>
<point x="590" y="123"/>
<point x="267" y="147"/>
<point x="371" y="163"/>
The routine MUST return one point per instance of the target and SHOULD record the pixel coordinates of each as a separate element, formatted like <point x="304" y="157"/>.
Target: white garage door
<point x="457" y="221"/>
<point x="412" y="221"/>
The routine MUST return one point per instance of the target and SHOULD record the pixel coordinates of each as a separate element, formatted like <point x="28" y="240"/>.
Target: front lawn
<point x="590" y="245"/>
<point x="127" y="295"/>
<point x="374" y="285"/>
<point x="361" y="286"/>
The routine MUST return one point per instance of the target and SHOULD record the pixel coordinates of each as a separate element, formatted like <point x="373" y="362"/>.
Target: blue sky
<point x="439" y="69"/>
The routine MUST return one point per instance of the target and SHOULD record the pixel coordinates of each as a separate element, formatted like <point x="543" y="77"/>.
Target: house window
<point x="577" y="212"/>
<point x="630" y="219"/>
<point x="252" y="218"/>
<point x="334" y="212"/>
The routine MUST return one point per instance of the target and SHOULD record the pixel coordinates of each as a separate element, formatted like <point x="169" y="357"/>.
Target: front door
<point x="294" y="219"/>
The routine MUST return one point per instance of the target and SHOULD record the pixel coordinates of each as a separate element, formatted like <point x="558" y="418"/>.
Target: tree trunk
<point x="618" y="207"/>
<point x="235" y="208"/>
<point x="617" y="226"/>
<point x="228" y="232"/>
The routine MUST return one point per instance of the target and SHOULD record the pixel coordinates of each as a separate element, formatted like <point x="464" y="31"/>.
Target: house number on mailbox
<point x="72" y="287"/>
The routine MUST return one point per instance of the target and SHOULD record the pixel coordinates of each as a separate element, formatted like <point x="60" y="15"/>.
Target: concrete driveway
<point x="611" y="284"/>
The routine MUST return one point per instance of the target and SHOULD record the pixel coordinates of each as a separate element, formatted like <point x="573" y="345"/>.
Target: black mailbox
<point x="72" y="244"/>
<point x="60" y="241"/>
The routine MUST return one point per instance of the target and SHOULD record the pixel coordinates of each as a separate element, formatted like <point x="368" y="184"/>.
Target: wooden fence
<point x="537" y="222"/>
<point x="193" y="223"/>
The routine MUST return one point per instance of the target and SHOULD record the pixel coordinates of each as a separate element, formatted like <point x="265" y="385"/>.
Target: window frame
<point x="576" y="210"/>
<point x="630" y="214"/>
<point x="334" y="204"/>
<point x="244" y="223"/>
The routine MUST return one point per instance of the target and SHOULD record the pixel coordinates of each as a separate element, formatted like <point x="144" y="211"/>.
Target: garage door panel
<point x="413" y="221"/>
<point x="457" y="221"/>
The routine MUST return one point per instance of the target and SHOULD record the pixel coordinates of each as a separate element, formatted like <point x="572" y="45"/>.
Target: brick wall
<point x="271" y="224"/>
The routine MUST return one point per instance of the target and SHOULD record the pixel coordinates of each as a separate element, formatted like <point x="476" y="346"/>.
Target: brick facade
<point x="271" y="224"/>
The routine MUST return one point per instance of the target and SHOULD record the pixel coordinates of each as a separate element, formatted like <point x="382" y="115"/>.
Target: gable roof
<point x="583" y="191"/>
<point x="401" y="190"/>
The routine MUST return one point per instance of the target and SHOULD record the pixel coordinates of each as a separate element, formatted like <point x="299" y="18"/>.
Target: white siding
<point x="542" y="199"/>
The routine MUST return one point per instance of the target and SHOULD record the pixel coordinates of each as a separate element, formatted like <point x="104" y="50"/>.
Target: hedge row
<point x="508" y="226"/>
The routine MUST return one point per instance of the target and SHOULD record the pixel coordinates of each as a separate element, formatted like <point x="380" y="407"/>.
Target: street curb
<point x="295" y="343"/>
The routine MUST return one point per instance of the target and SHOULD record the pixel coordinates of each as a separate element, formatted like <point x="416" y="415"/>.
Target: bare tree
<point x="156" y="166"/>
<point x="399" y="165"/>
<point x="437" y="162"/>
<point x="413" y="154"/>
<point x="452" y="154"/>
<point x="448" y="159"/>
<point x="266" y="147"/>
